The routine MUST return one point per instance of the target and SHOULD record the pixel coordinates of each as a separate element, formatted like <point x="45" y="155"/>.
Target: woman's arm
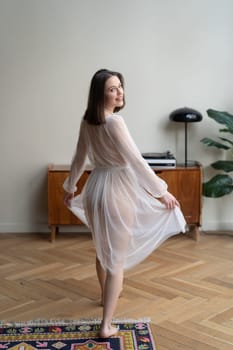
<point x="146" y="176"/>
<point x="77" y="166"/>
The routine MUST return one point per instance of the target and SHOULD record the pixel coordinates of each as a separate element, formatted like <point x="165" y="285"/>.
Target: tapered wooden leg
<point x="53" y="233"/>
<point x="196" y="233"/>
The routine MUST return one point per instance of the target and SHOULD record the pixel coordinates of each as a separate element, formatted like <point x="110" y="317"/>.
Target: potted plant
<point x="220" y="184"/>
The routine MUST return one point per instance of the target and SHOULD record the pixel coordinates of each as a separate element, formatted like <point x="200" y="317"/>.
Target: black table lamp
<point x="185" y="115"/>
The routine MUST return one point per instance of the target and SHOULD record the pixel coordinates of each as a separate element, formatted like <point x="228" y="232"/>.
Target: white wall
<point x="173" y="53"/>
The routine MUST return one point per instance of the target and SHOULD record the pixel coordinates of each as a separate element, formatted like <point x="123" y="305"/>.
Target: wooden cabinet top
<point x="66" y="167"/>
<point x="58" y="167"/>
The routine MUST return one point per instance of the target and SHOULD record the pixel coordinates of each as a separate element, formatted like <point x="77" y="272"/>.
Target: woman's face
<point x="113" y="94"/>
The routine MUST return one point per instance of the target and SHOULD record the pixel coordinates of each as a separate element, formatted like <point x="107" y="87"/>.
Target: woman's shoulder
<point x="114" y="118"/>
<point x="115" y="124"/>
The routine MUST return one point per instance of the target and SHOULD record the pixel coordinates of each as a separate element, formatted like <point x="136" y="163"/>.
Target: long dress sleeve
<point x="78" y="164"/>
<point x="120" y="135"/>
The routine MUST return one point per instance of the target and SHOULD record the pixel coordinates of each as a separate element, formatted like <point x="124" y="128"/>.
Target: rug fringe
<point x="57" y="322"/>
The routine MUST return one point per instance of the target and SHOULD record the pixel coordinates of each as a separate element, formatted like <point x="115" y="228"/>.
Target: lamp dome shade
<point x="185" y="115"/>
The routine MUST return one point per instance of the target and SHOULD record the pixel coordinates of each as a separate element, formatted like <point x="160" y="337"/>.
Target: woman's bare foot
<point x="108" y="331"/>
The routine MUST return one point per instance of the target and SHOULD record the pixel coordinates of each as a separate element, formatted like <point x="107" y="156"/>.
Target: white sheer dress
<point x="118" y="202"/>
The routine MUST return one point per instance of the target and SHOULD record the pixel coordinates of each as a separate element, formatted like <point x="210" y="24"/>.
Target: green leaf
<point x="218" y="186"/>
<point x="226" y="140"/>
<point x="226" y="130"/>
<point x="211" y="143"/>
<point x="222" y="118"/>
<point x="225" y="165"/>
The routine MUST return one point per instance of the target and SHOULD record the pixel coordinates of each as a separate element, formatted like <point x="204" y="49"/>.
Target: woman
<point x="125" y="204"/>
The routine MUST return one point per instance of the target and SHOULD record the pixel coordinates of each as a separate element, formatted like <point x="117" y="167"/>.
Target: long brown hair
<point x="94" y="113"/>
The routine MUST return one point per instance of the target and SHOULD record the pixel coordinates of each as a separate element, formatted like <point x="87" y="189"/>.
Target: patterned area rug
<point x="75" y="335"/>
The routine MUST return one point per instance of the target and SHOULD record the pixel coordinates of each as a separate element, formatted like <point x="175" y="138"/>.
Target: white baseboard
<point x="39" y="228"/>
<point x="44" y="228"/>
<point x="217" y="226"/>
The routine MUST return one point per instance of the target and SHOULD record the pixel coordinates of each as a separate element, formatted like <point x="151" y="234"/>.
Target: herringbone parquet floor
<point x="185" y="287"/>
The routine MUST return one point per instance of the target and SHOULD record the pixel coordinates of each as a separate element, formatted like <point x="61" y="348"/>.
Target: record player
<point x="160" y="160"/>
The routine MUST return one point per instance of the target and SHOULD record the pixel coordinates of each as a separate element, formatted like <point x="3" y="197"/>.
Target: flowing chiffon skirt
<point x="127" y="223"/>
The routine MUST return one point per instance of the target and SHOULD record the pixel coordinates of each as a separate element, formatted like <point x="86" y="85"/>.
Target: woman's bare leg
<point x="113" y="287"/>
<point x="101" y="274"/>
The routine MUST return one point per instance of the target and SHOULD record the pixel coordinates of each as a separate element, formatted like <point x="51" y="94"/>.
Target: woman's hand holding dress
<point x="169" y="200"/>
<point x="67" y="198"/>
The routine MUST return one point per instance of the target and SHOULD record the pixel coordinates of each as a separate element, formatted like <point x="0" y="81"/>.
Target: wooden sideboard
<point x="58" y="214"/>
<point x="185" y="183"/>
